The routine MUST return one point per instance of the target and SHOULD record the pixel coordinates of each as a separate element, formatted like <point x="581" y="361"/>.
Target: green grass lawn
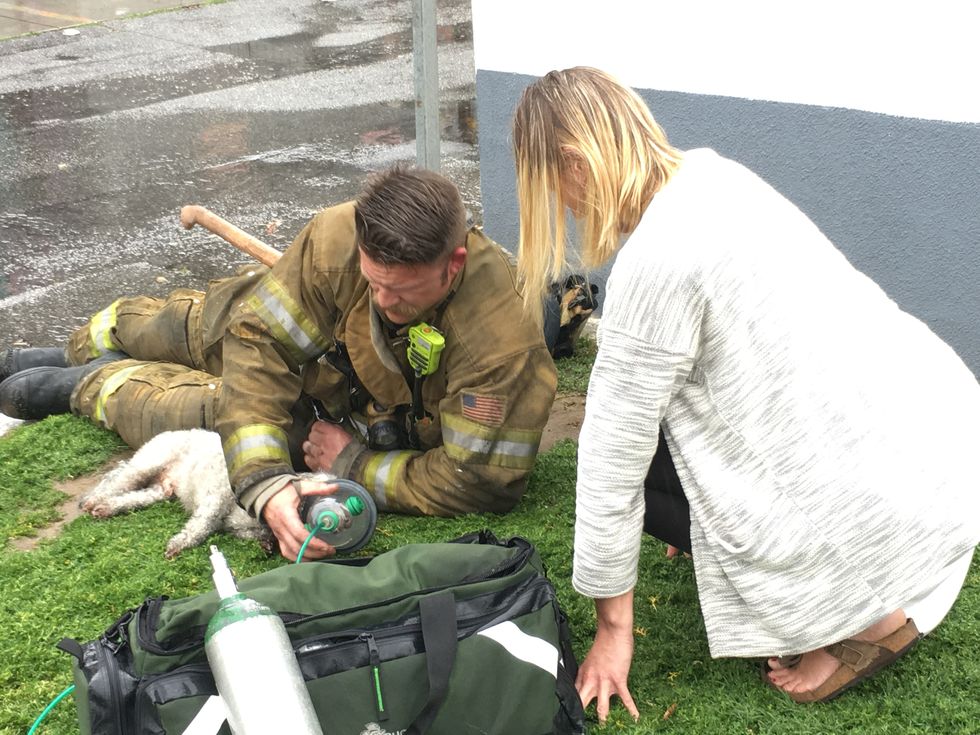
<point x="76" y="584"/>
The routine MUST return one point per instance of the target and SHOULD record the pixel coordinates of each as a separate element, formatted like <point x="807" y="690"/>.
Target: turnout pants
<point x="185" y="328"/>
<point x="173" y="380"/>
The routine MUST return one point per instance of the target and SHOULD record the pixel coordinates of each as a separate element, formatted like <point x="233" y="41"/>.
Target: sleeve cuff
<point x="256" y="496"/>
<point x="582" y="584"/>
<point x="343" y="466"/>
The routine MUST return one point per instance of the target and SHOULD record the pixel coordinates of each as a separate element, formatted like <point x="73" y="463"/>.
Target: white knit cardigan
<point x="827" y="442"/>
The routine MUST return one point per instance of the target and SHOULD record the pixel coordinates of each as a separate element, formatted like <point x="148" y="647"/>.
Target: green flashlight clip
<point x="425" y="344"/>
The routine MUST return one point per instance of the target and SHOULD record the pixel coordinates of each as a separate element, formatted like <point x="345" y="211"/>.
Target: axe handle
<point x="193" y="214"/>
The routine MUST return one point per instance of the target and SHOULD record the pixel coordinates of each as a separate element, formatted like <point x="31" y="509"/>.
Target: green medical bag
<point x="466" y="636"/>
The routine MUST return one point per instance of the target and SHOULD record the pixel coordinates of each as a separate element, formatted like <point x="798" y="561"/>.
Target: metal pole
<point x="426" y="84"/>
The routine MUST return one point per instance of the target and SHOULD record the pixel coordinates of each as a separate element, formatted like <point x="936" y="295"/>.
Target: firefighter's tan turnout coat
<point x="275" y="338"/>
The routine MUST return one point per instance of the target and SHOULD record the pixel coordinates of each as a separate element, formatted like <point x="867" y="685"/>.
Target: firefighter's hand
<point x="324" y="444"/>
<point x="281" y="513"/>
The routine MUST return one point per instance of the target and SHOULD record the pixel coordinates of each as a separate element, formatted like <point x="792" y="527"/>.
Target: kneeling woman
<point x="817" y="446"/>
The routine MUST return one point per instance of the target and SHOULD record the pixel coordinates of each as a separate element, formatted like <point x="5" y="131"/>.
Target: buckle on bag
<point x="116" y="635"/>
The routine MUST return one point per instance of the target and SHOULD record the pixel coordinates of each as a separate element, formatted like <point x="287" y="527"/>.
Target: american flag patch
<point x="484" y="409"/>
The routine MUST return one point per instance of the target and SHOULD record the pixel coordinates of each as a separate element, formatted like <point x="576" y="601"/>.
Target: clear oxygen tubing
<point x="253" y="663"/>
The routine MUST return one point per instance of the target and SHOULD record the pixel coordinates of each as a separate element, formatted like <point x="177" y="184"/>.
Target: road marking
<point x="45" y="13"/>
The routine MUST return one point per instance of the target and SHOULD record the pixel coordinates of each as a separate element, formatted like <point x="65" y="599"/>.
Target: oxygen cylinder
<point x="253" y="663"/>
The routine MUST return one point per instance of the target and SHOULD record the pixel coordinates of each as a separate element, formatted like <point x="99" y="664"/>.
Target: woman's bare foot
<point x="815" y="667"/>
<point x="813" y="670"/>
<point x="783" y="662"/>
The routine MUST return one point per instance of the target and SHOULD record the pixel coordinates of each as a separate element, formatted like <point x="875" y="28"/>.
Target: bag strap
<point x="438" y="617"/>
<point x="71" y="646"/>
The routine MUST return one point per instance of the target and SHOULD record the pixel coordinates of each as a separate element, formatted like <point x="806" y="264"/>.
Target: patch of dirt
<point x="565" y="421"/>
<point x="69" y="510"/>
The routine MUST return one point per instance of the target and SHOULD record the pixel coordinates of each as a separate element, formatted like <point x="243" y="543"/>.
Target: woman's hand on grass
<point x="606" y="668"/>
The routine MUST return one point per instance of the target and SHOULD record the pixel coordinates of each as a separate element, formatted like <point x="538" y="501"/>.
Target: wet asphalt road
<point x="263" y="111"/>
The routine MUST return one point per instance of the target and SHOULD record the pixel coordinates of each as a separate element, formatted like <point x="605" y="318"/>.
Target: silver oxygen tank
<point x="253" y="663"/>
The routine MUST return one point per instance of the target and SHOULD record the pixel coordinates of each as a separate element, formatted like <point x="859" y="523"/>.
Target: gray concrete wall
<point x="899" y="196"/>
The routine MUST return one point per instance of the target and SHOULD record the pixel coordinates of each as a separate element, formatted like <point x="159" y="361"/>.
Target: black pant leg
<point x="552" y="321"/>
<point x="668" y="515"/>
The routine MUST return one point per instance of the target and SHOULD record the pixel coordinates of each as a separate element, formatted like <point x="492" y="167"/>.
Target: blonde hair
<point x="588" y="113"/>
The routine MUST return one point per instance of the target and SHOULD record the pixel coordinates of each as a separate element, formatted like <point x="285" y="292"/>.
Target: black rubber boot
<point x="39" y="392"/>
<point x="16" y="359"/>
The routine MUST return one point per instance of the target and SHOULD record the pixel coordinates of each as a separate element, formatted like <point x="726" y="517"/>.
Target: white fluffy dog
<point x="187" y="465"/>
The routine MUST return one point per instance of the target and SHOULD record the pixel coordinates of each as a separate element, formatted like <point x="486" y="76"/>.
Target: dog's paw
<point x="89" y="501"/>
<point x="98" y="510"/>
<point x="172" y="550"/>
<point x="269" y="545"/>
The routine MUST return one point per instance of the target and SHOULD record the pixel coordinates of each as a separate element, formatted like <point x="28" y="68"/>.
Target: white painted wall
<point x="864" y="113"/>
<point x="914" y="59"/>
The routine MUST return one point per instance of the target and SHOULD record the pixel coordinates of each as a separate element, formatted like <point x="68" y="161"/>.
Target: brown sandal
<point x="859" y="660"/>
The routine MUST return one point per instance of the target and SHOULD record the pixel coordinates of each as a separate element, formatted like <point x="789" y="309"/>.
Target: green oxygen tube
<point x="253" y="663"/>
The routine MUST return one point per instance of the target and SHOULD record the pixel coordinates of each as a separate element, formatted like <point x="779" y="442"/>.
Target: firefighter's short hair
<point x="409" y="216"/>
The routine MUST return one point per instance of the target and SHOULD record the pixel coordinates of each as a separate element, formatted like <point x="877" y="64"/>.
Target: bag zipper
<point x="374" y="659"/>
<point x="465" y="627"/>
<point x="114" y="638"/>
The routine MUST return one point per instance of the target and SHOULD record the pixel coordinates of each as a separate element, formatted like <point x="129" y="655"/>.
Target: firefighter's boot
<point x="16" y="359"/>
<point x="39" y="392"/>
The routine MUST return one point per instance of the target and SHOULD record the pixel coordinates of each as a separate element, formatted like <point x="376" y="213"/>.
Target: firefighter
<point x="388" y="326"/>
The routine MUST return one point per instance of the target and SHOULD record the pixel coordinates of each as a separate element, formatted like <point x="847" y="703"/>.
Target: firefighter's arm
<point x="492" y="423"/>
<point x="280" y="326"/>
